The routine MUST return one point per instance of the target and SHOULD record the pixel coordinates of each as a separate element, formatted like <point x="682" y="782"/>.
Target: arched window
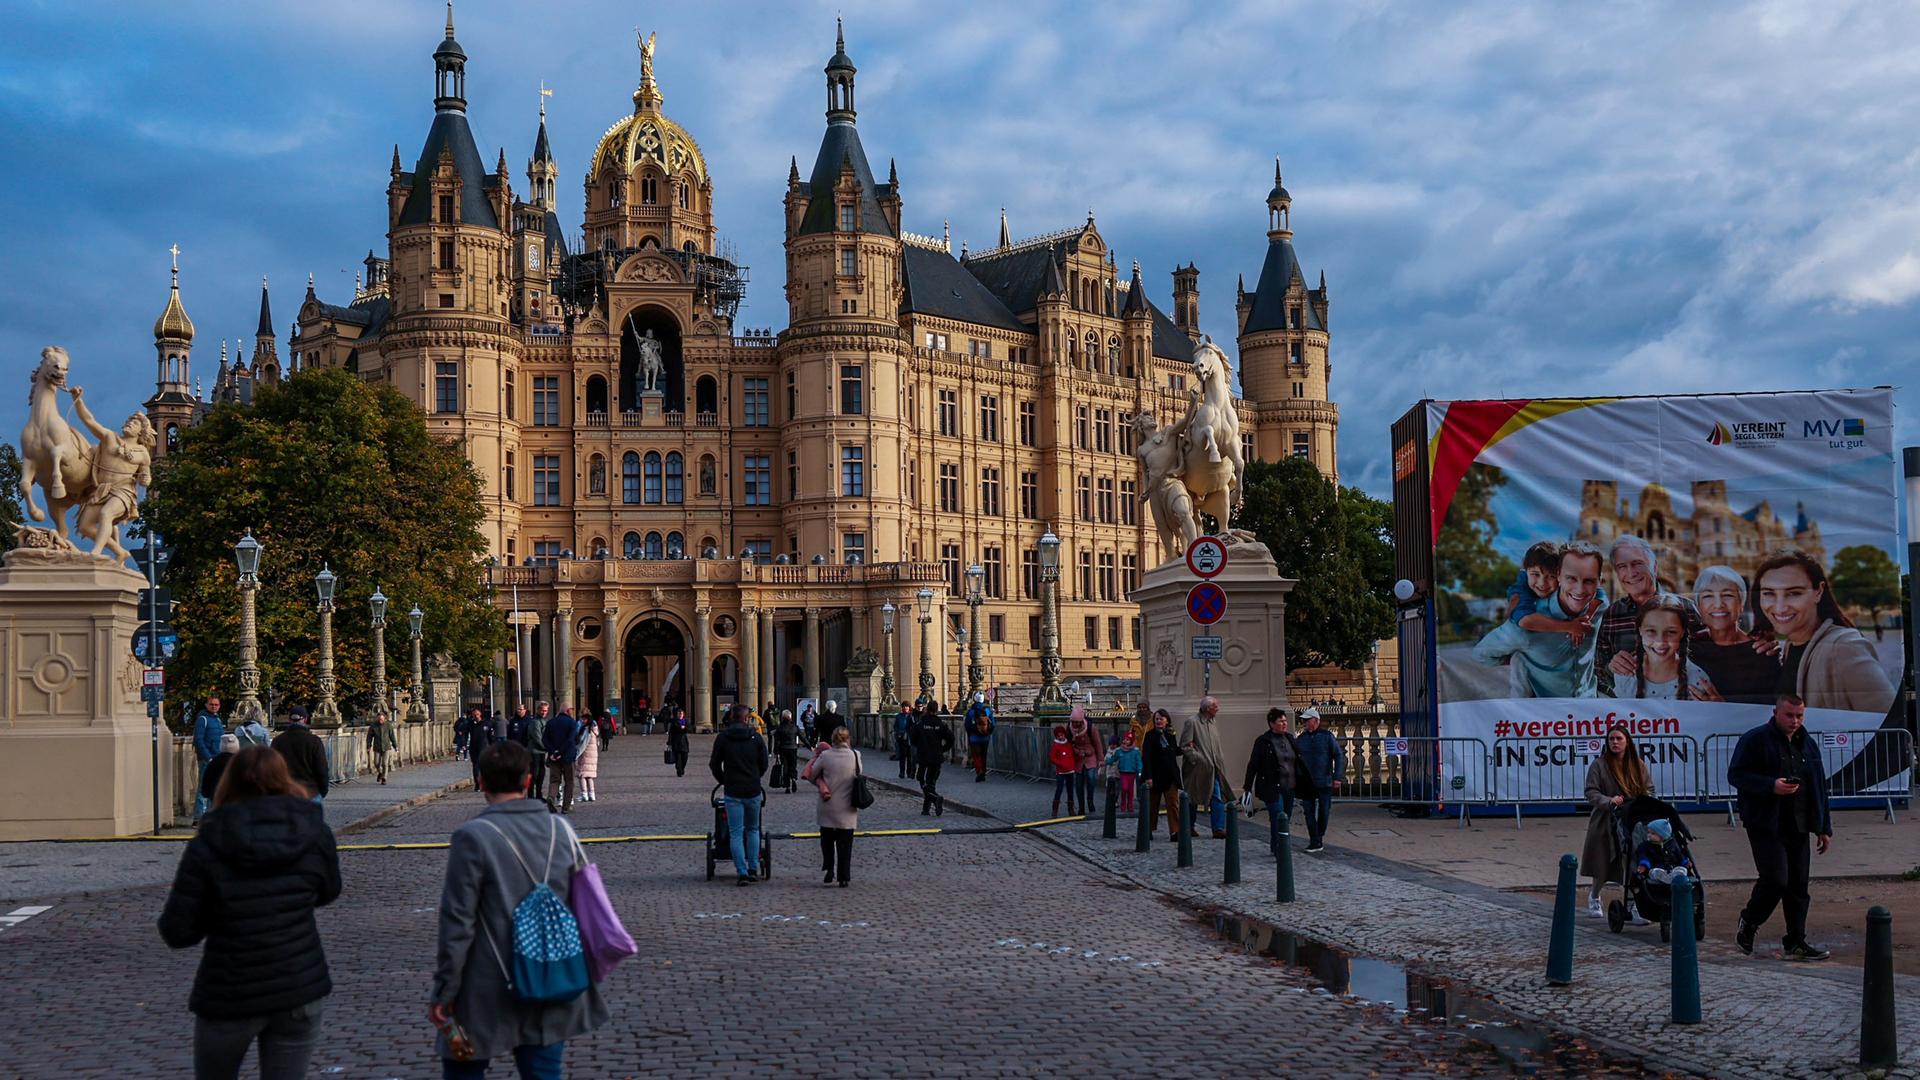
<point x="676" y="546"/>
<point x="708" y="543"/>
<point x="653" y="476"/>
<point x="596" y="395"/>
<point x="173" y="437"/>
<point x="684" y="198"/>
<point x="708" y="482"/>
<point x="676" y="478"/>
<point x="706" y="395"/>
<point x="630" y="478"/>
<point x="630" y="546"/>
<point x="688" y="247"/>
<point x="597" y="475"/>
<point x="653" y="548"/>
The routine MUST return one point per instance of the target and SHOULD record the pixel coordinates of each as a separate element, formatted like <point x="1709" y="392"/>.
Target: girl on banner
<point x="1827" y="663"/>
<point x="1661" y="667"/>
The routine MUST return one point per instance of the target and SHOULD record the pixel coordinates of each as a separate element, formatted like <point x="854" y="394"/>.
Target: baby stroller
<point x="1653" y="899"/>
<point x="720" y="841"/>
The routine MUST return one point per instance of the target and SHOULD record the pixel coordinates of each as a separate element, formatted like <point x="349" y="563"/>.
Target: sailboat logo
<point x="1719" y="436"/>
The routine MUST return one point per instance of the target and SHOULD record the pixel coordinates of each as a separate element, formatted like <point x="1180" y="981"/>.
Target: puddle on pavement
<point x="1527" y="1048"/>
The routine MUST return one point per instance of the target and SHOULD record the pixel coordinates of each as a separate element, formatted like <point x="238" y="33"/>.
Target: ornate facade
<point x="733" y="528"/>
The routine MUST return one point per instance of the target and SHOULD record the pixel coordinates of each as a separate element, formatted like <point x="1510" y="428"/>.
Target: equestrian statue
<point x="1193" y="469"/>
<point x="102" y="480"/>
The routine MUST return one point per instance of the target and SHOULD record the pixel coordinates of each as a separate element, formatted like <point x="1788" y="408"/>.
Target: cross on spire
<point x="174" y="250"/>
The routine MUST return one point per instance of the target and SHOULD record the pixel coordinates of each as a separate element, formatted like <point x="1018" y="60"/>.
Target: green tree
<point x="324" y="470"/>
<point x="1464" y="557"/>
<point x="1864" y="576"/>
<point x="10" y="509"/>
<point x="1332" y="542"/>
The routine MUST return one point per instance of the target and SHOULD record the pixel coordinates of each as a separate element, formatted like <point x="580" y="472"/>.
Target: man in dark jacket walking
<point x="1270" y="774"/>
<point x="207" y="729"/>
<point x="1319" y="769"/>
<point x="903" y="739"/>
<point x="1782" y="783"/>
<point x="482" y="733"/>
<point x="563" y="736"/>
<point x="305" y="754"/>
<point x="738" y="762"/>
<point x="786" y="746"/>
<point x="932" y="739"/>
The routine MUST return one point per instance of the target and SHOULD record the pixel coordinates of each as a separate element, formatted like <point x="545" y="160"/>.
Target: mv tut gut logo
<point x="1839" y="434"/>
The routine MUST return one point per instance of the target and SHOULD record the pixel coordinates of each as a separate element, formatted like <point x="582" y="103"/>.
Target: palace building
<point x="731" y="526"/>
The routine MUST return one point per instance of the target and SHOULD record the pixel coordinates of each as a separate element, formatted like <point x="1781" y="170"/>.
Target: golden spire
<point x="173" y="324"/>
<point x="647" y="98"/>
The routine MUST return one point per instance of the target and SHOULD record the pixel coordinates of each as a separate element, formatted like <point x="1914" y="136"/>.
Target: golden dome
<point x="648" y="135"/>
<point x="173" y="324"/>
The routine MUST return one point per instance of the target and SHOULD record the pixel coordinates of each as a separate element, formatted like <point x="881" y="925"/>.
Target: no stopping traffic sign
<point x="1206" y="603"/>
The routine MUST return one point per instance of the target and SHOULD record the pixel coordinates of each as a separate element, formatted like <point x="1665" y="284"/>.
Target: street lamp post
<point x="493" y="676"/>
<point x="247" y="554"/>
<point x="1910" y="470"/>
<point x="326" y="712"/>
<point x="417" y="712"/>
<point x="1051" y="700"/>
<point x="976" y="663"/>
<point x="925" y="596"/>
<point x="377" y="603"/>
<point x="888" y="702"/>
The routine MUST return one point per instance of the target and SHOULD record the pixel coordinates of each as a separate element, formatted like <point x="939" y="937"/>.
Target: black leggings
<point x="836" y="852"/>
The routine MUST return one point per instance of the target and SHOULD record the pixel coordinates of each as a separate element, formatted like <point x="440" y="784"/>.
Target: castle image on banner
<point x="1714" y="534"/>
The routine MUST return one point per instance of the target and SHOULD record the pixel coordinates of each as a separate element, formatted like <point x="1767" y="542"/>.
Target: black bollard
<point x="1185" y="858"/>
<point x="1283" y="865"/>
<point x="1143" y="833"/>
<point x="1879" y="1049"/>
<point x="1110" y="828"/>
<point x="1560" y="937"/>
<point x="1230" y="875"/>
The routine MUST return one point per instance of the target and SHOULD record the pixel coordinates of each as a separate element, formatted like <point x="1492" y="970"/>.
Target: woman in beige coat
<point x="832" y="771"/>
<point x="1616" y="777"/>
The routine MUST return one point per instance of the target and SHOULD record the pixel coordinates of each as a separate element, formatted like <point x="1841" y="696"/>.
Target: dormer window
<point x="446" y="209"/>
<point x="849" y="265"/>
<point x="847" y="215"/>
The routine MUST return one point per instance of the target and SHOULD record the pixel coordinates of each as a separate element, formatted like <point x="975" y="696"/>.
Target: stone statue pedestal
<point x="76" y="746"/>
<point x="652" y="405"/>
<point x="863" y="683"/>
<point x="1250" y="677"/>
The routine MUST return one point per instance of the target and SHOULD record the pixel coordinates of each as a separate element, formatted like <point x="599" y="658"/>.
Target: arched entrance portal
<point x="726" y="684"/>
<point x="672" y="383"/>
<point x="655" y="665"/>
<point x="589" y="686"/>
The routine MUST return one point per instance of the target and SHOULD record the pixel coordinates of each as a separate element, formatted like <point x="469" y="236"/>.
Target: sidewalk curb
<point x="382" y="814"/>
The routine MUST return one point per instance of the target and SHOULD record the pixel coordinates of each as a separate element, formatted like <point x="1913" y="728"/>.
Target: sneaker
<point x="1660" y="875"/>
<point x="1314" y="849"/>
<point x="1803" y="951"/>
<point x="1743" y="935"/>
<point x="1634" y="917"/>
<point x="1594" y="909"/>
<point x="744" y="881"/>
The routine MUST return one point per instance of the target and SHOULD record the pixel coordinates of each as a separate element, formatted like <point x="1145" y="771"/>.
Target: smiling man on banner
<point x="1548" y="664"/>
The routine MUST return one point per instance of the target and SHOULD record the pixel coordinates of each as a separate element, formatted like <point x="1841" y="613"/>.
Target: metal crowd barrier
<point x="1865" y="763"/>
<point x="1554" y="769"/>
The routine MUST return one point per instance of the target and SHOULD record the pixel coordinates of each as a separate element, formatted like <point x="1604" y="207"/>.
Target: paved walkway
<point x="1762" y="1017"/>
<point x="975" y="955"/>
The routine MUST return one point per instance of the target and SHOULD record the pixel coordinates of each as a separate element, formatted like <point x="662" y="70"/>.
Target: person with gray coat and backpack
<point x="497" y="859"/>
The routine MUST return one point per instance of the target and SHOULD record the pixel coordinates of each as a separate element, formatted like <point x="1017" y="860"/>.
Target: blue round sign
<point x="1206" y="603"/>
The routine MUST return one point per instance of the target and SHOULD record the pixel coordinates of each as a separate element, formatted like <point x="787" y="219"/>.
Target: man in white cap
<point x="1321" y="768"/>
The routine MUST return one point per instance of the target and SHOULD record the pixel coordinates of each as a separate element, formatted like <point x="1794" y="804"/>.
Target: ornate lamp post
<point x="417" y="712"/>
<point x="378" y="605"/>
<point x="976" y="665"/>
<point x="326" y="712"/>
<point x="925" y="596"/>
<point x="888" y="703"/>
<point x="1051" y="700"/>
<point x="247" y="554"/>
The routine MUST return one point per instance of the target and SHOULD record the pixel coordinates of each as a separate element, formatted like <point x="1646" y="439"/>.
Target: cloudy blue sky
<point x="1507" y="199"/>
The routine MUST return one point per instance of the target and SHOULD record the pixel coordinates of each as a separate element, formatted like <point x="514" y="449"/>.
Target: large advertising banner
<point x="1670" y="564"/>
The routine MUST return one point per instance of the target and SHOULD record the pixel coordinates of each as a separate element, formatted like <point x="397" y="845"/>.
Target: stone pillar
<point x="525" y="659"/>
<point x="563" y="660"/>
<point x="610" y="662"/>
<point x="769" y="664"/>
<point x="78" y="748"/>
<point x="702" y="670"/>
<point x="750" y="660"/>
<point x="861" y="617"/>
<point x="1252" y="672"/>
<point x="810" y="657"/>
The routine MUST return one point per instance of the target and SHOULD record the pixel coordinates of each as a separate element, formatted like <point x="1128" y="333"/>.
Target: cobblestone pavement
<point x="1762" y="1017"/>
<point x="969" y="955"/>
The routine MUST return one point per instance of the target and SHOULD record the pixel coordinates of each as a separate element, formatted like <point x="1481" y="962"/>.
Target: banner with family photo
<point x="1674" y="564"/>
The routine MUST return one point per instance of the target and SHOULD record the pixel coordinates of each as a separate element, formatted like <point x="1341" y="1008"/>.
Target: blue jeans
<point x="743" y="832"/>
<point x="1315" y="805"/>
<point x="1064" y="782"/>
<point x="1278" y="811"/>
<point x="201" y="804"/>
<point x="534" y="1062"/>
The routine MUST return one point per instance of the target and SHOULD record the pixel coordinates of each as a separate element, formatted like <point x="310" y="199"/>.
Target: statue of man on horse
<point x="1193" y="467"/>
<point x="72" y="472"/>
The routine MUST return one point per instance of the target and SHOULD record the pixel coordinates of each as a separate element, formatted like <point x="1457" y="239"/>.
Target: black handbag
<point x="862" y="793"/>
<point x="669" y="757"/>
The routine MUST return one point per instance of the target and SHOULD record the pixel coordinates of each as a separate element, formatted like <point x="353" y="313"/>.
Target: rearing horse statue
<point x="52" y="453"/>
<point x="1214" y="468"/>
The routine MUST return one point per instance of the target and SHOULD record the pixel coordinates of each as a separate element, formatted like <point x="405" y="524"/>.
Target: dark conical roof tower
<point x="841" y="145"/>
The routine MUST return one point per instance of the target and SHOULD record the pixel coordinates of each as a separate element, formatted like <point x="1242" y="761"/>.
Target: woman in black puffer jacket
<point x="248" y="884"/>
